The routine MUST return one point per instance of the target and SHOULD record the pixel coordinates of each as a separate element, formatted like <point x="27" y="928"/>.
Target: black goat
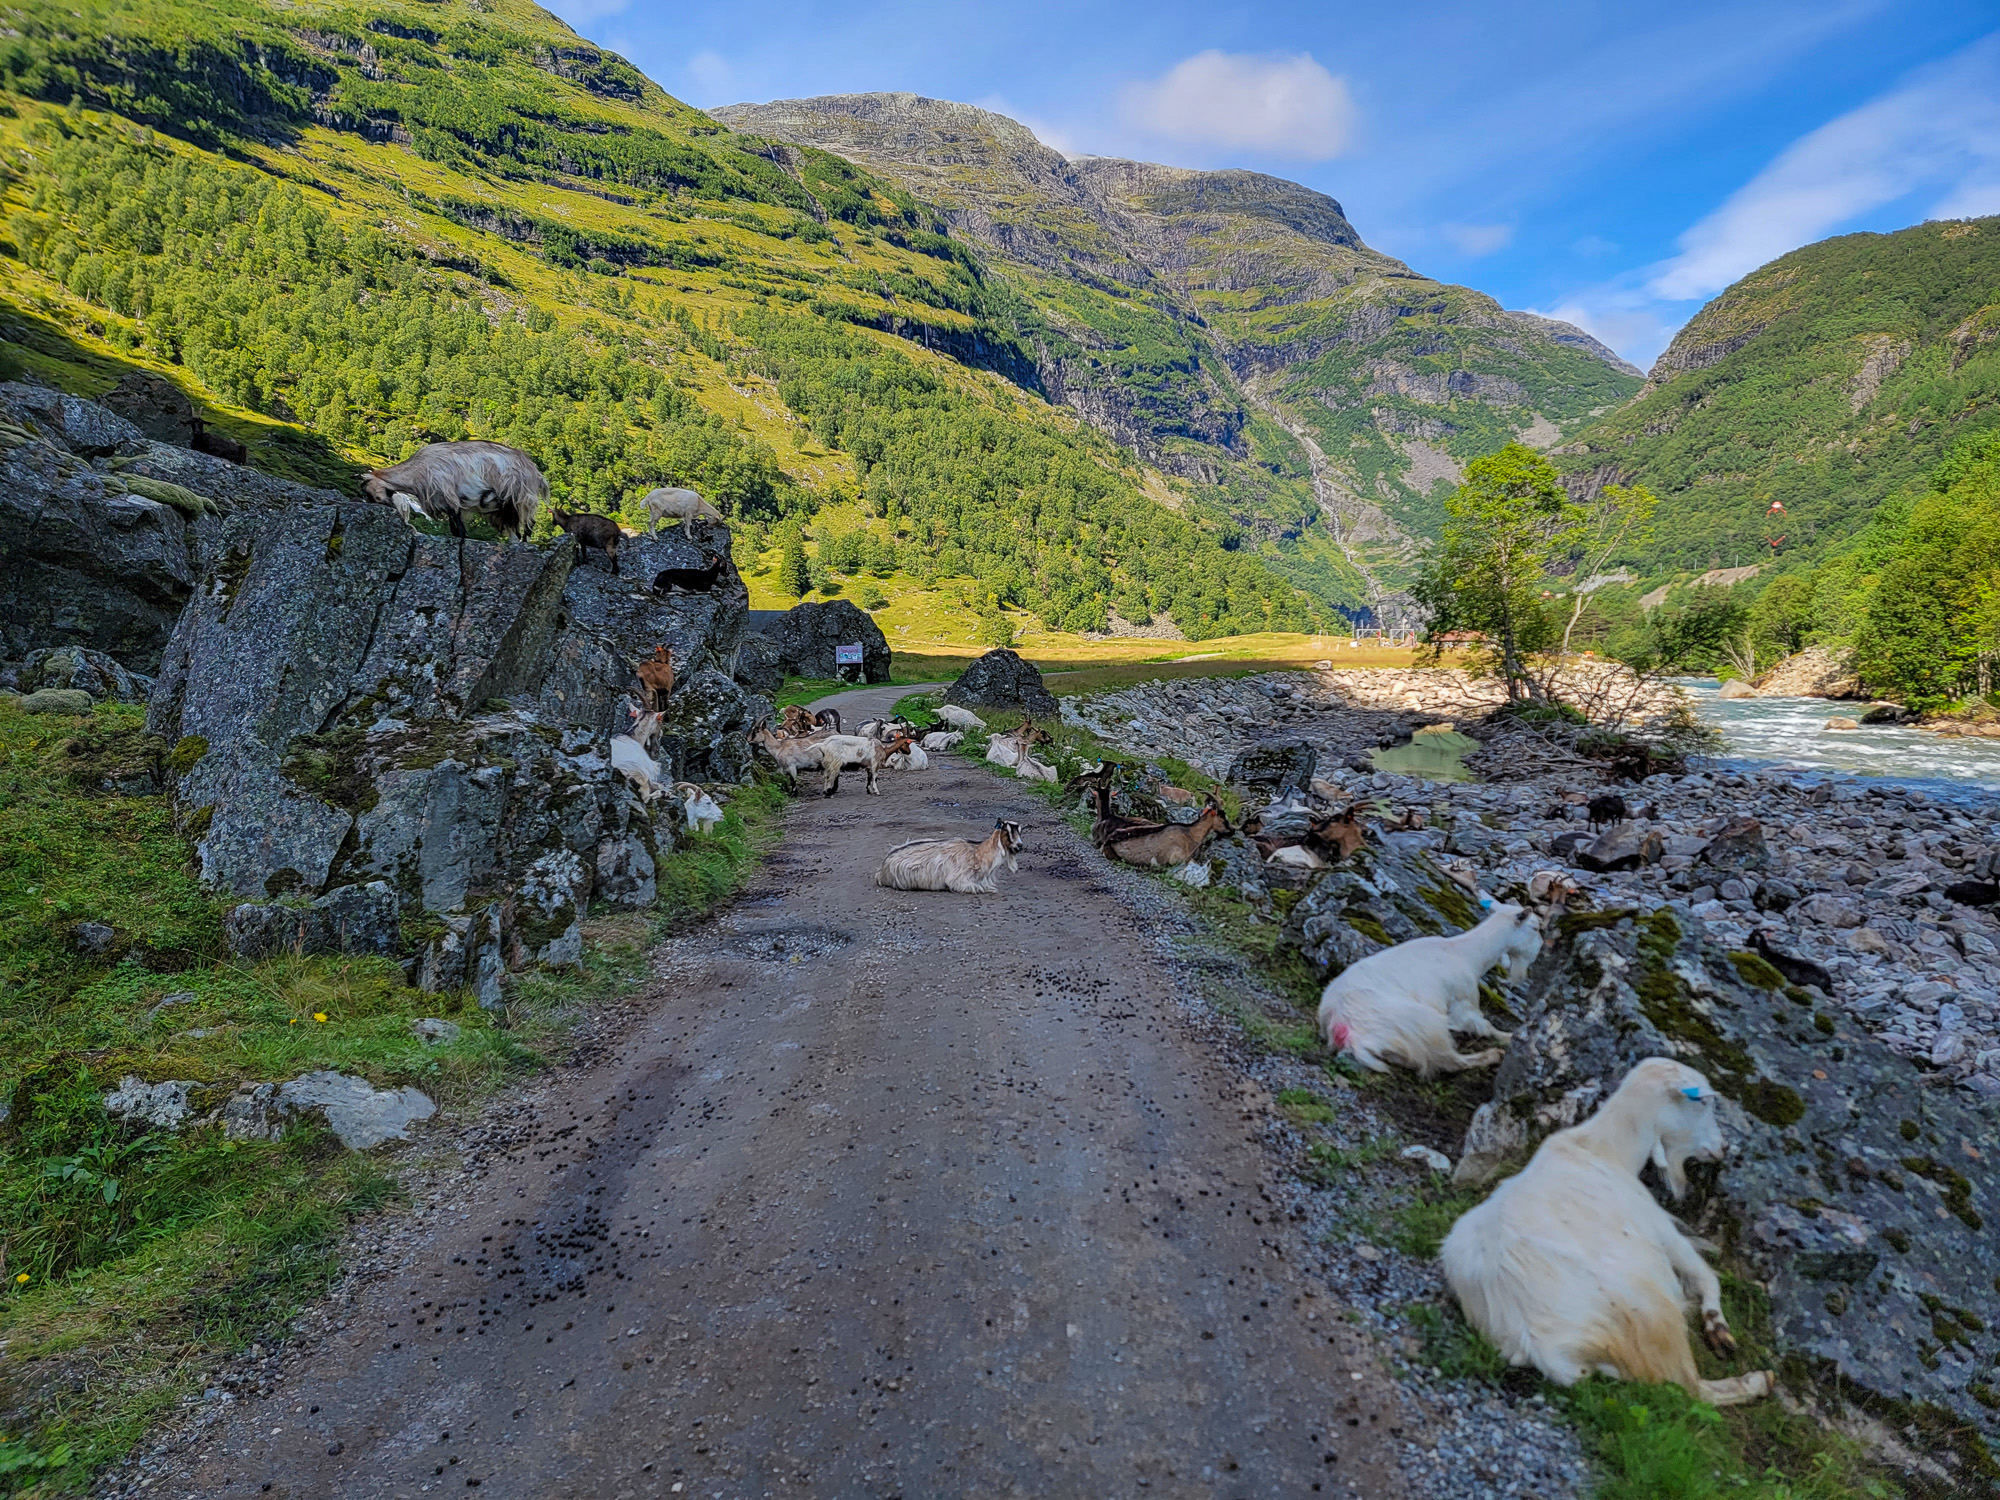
<point x="220" y="444"/>
<point x="591" y="530"/>
<point x="1607" y="807"/>
<point x="1973" y="892"/>
<point x="694" y="580"/>
<point x="828" y="718"/>
<point x="1801" y="971"/>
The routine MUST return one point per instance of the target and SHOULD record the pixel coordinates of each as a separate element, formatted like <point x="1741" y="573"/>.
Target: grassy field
<point x="134" y="1259"/>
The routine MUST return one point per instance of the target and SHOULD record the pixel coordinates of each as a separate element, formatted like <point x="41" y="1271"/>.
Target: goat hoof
<point x="1716" y="1331"/>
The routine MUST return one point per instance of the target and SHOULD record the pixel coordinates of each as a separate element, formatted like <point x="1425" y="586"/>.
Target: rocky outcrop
<point x="1274" y="767"/>
<point x="1862" y="1197"/>
<point x="97" y="526"/>
<point x="1815" y="672"/>
<point x="1000" y="679"/>
<point x="803" y="639"/>
<point x="385" y="740"/>
<point x="77" y="669"/>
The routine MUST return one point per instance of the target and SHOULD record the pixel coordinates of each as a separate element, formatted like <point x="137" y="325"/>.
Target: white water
<point x="1792" y="732"/>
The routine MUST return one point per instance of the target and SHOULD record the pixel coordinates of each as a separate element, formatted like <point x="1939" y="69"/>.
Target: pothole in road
<point x="794" y="943"/>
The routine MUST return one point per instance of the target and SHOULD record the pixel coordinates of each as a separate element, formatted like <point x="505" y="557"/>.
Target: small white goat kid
<point x="952" y="864"/>
<point x="700" y="808"/>
<point x="1572" y="1267"/>
<point x="684" y="506"/>
<point x="1401" y="1005"/>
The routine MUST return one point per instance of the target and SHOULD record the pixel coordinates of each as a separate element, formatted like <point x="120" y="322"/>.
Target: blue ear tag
<point x="1692" y="1093"/>
<point x="1486" y="903"/>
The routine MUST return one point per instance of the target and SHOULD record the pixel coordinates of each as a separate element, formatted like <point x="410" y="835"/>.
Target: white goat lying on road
<point x="1401" y="1005"/>
<point x="951" y="864"/>
<point x="1572" y="1267"/>
<point x="912" y="759"/>
<point x="943" y="739"/>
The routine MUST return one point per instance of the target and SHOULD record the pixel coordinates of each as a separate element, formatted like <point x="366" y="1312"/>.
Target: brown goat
<point x="657" y="676"/>
<point x="591" y="530"/>
<point x="1162" y="846"/>
<point x="796" y="720"/>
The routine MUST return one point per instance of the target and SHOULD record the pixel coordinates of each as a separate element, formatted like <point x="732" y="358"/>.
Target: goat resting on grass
<point x="1401" y="1005"/>
<point x="952" y="864"/>
<point x="1572" y="1267"/>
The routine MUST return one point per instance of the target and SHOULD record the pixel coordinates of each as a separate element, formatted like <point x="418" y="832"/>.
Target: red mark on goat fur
<point x="1340" y="1034"/>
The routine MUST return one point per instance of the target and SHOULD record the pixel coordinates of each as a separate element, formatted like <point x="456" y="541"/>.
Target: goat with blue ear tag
<point x="1573" y="1268"/>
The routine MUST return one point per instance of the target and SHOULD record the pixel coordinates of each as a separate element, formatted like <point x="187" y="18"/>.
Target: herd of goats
<point x="1570" y="1265"/>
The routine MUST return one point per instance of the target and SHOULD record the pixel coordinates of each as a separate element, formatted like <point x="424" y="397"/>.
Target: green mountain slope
<point x="1232" y="327"/>
<point x="1824" y="382"/>
<point x="402" y="221"/>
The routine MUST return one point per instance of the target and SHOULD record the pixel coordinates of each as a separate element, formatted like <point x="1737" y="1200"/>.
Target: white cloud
<point x="1285" y="105"/>
<point x="709" y="78"/>
<point x="1057" y="138"/>
<point x="1478" y="239"/>
<point x="1622" y="317"/>
<point x="1938" y="132"/>
<point x="1595" y="244"/>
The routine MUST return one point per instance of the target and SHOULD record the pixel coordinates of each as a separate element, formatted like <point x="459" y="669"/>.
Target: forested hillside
<point x="1810" y="393"/>
<point x="1233" y="328"/>
<point x="401" y="222"/>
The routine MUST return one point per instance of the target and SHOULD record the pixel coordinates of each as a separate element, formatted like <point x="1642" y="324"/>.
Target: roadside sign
<point x="847" y="656"/>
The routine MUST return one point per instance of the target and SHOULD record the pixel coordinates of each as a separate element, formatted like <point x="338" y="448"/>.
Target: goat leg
<point x="1715" y="1329"/>
<point x="456" y="520"/>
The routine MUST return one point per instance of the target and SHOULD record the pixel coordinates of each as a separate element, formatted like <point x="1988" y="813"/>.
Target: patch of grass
<point x="1327" y="1163"/>
<point x="1418" y="1228"/>
<point x="149" y="1256"/>
<point x="1453" y="1347"/>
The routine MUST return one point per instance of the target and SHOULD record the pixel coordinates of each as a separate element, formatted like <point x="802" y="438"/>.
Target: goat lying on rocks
<point x="952" y="864"/>
<point x="1161" y="846"/>
<point x="693" y="580"/>
<point x="1402" y="1004"/>
<point x="1572" y="1267"/>
<point x="445" y="480"/>
<point x="630" y="760"/>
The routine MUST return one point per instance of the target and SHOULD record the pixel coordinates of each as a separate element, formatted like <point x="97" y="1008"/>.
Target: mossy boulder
<point x="1857" y="1189"/>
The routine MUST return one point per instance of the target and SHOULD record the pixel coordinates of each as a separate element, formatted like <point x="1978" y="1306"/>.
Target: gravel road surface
<point x="889" y="1194"/>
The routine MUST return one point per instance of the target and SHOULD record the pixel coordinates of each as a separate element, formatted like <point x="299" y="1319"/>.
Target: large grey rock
<point x="1739" y="848"/>
<point x="625" y="872"/>
<point x="1625" y="845"/>
<point x="360" y="1115"/>
<point x="757" y="665"/>
<point x="1000" y="679"/>
<point x="362" y="918"/>
<point x="85" y="560"/>
<point x="1377" y="896"/>
<point x="79" y="669"/>
<point x="806" y="636"/>
<point x="1865" y="1200"/>
<point x="158" y="1106"/>
<point x="1275" y="767"/>
<point x="705" y="731"/>
<point x="154" y="404"/>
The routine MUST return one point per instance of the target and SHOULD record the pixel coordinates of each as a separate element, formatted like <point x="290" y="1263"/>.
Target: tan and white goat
<point x="1572" y="1267"/>
<point x="952" y="864"/>
<point x="446" y="480"/>
<point x="1402" y="1004"/>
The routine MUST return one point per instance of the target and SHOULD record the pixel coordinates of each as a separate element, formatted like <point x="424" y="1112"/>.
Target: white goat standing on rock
<point x="1573" y="1268"/>
<point x="684" y="506"/>
<point x="1401" y="1005"/>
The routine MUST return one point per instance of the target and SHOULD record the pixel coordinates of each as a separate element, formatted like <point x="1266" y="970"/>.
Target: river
<point x="1792" y="732"/>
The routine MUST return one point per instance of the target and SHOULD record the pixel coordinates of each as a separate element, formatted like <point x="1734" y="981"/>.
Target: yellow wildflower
<point x="319" y="1015"/>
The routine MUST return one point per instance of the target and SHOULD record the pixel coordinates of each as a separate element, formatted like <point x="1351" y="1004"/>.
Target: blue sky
<point x="1612" y="164"/>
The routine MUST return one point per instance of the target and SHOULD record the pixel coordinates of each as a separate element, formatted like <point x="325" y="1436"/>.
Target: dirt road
<point x="892" y="1194"/>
